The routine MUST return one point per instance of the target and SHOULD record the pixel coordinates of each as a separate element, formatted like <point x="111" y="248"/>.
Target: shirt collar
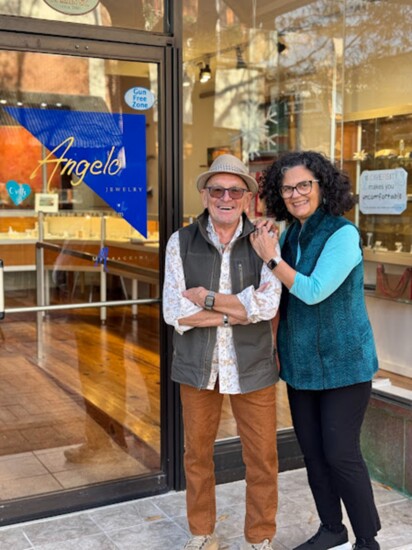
<point x="213" y="236"/>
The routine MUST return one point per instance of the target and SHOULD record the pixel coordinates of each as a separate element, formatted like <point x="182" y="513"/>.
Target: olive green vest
<point x="193" y="350"/>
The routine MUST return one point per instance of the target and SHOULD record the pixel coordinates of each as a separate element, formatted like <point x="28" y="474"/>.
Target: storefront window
<point x="146" y="15"/>
<point x="271" y="82"/>
<point x="377" y="153"/>
<point x="78" y="158"/>
<point x="260" y="78"/>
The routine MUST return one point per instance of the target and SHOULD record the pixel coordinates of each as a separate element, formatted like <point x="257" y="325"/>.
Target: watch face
<point x="209" y="301"/>
<point x="272" y="264"/>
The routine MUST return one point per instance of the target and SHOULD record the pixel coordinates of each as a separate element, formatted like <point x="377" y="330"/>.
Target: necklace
<point x="223" y="246"/>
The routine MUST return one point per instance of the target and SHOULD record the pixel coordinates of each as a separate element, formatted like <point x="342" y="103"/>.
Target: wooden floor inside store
<point x="85" y="409"/>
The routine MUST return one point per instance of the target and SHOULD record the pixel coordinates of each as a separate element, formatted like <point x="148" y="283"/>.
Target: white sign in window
<point x="72" y="7"/>
<point x="383" y="191"/>
<point x="46" y="202"/>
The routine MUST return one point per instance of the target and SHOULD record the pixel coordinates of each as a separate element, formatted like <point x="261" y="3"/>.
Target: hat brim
<point x="249" y="180"/>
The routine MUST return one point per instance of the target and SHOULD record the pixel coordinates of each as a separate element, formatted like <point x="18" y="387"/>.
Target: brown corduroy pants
<point x="255" y="415"/>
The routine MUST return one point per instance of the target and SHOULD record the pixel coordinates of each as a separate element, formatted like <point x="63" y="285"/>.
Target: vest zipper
<point x="240" y="269"/>
<point x="209" y="330"/>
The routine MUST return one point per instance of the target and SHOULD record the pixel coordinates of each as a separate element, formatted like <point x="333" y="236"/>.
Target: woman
<point x="325" y="341"/>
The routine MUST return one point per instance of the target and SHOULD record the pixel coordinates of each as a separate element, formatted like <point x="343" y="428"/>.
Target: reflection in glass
<point x="146" y="15"/>
<point x="275" y="82"/>
<point x="86" y="401"/>
<point x="329" y="76"/>
<point x="275" y="85"/>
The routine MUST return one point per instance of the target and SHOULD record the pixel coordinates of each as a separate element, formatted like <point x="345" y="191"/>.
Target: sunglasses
<point x="234" y="193"/>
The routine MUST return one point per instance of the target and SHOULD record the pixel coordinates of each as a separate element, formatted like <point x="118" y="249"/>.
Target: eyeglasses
<point x="235" y="193"/>
<point x="303" y="188"/>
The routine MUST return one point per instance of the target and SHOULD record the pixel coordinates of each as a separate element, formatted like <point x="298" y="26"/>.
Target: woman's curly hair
<point x="335" y="184"/>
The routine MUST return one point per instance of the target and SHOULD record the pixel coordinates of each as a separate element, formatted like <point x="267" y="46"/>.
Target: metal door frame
<point x="38" y="36"/>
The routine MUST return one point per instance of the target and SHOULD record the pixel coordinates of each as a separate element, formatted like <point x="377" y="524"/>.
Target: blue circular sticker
<point x="139" y="98"/>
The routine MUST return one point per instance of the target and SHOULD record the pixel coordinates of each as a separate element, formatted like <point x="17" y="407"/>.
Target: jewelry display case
<point x="381" y="140"/>
<point x="378" y="144"/>
<point x="89" y="232"/>
<point x="106" y="237"/>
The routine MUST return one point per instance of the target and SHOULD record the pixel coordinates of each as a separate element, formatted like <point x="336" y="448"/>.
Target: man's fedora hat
<point x="228" y="164"/>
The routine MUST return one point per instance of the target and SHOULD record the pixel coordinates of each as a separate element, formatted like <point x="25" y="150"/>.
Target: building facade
<point x="109" y="110"/>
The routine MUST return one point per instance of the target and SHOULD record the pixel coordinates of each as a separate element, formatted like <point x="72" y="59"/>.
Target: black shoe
<point x="366" y="544"/>
<point x="326" y="540"/>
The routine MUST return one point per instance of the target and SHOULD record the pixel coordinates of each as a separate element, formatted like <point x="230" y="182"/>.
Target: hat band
<point x="228" y="168"/>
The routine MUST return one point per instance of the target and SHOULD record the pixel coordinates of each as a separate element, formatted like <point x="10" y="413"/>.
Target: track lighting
<point x="205" y="73"/>
<point x="281" y="47"/>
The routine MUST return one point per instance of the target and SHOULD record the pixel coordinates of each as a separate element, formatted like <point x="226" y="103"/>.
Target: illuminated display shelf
<point x="19" y="235"/>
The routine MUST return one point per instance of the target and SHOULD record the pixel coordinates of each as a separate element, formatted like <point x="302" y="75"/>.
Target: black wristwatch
<point x="210" y="300"/>
<point x="273" y="263"/>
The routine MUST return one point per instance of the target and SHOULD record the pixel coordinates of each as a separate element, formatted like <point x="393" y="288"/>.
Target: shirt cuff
<point x="181" y="329"/>
<point x="245" y="297"/>
<point x="188" y="310"/>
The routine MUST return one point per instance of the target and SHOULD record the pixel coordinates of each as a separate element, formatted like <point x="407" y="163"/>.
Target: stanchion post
<point x="1" y="290"/>
<point x="40" y="287"/>
<point x="103" y="276"/>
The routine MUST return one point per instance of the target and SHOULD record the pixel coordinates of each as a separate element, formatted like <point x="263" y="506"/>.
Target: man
<point x="220" y="298"/>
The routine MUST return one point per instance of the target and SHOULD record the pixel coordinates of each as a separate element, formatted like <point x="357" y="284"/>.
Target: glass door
<point x="80" y="397"/>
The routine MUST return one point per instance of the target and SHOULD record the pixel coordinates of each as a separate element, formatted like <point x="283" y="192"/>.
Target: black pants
<point x="328" y="424"/>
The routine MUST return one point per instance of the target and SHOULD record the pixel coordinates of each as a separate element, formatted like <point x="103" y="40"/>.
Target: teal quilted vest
<point x="329" y="344"/>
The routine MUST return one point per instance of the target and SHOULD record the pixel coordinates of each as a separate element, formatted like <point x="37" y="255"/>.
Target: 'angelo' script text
<point x="81" y="168"/>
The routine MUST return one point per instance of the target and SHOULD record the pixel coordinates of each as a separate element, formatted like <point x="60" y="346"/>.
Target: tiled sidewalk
<point x="159" y="522"/>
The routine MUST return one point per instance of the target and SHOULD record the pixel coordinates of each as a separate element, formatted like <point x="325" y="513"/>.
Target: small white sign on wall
<point x="383" y="191"/>
<point x="46" y="202"/>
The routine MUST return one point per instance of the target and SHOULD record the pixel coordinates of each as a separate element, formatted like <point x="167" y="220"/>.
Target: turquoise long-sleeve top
<point x="339" y="256"/>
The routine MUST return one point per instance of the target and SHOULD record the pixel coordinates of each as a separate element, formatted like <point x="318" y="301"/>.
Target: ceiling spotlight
<point x="186" y="82"/>
<point x="281" y="47"/>
<point x="205" y="74"/>
<point x="240" y="62"/>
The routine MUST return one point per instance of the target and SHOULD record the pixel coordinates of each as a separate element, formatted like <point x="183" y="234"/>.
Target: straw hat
<point x="228" y="164"/>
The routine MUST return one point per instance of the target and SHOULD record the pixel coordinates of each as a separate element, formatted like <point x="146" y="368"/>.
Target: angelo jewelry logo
<point x="111" y="161"/>
<point x="80" y="168"/>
